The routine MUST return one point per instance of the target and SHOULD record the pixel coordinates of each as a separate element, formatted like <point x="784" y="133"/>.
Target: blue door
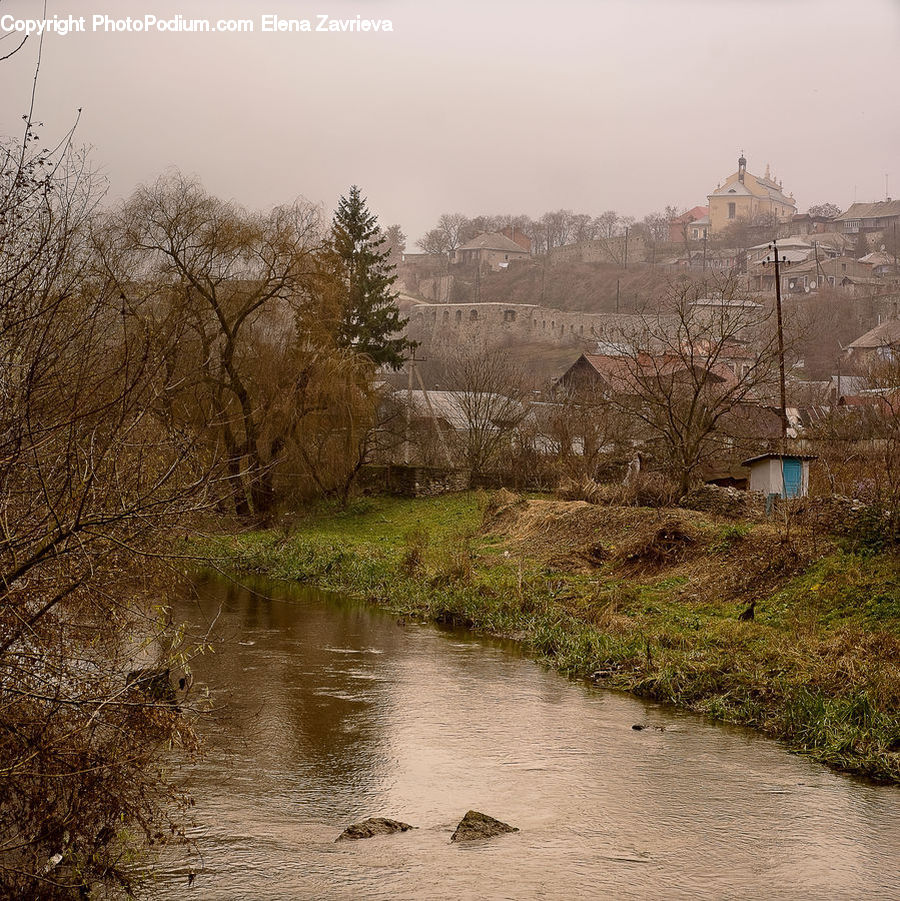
<point x="792" y="474"/>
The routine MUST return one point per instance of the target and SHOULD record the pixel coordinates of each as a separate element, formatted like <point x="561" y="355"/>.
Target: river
<point x="327" y="711"/>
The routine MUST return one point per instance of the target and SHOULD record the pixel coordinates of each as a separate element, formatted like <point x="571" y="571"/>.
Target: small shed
<point x="786" y="475"/>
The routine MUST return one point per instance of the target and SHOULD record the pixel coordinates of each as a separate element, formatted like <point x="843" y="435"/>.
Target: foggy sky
<point x="483" y="106"/>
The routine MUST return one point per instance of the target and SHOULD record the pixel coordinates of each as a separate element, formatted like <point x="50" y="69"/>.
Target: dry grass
<point x="654" y="546"/>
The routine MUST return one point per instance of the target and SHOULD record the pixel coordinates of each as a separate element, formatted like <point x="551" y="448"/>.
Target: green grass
<point x="819" y="667"/>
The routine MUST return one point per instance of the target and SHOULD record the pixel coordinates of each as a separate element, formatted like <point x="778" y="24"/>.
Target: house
<point x="862" y="285"/>
<point x="798" y="248"/>
<point x="740" y="316"/>
<point x="689" y="226"/>
<point x="805" y="224"/>
<point x="832" y="244"/>
<point x="883" y="264"/>
<point x="793" y="249"/>
<point x="516" y="234"/>
<point x="455" y="411"/>
<point x="786" y="475"/>
<point x="801" y="276"/>
<point x="435" y="420"/>
<point x="718" y="259"/>
<point x="879" y="343"/>
<point x="736" y="355"/>
<point x="870" y="217"/>
<point x="748" y="197"/>
<point x="491" y="249"/>
<point x="625" y="376"/>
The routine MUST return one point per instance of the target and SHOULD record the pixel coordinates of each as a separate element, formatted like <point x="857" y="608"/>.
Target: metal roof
<point x="885" y="335"/>
<point x="771" y="455"/>
<point x="877" y="210"/>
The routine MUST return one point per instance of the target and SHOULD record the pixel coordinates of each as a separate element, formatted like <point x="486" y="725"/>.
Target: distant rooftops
<point x="879" y="210"/>
<point x="885" y="335"/>
<point x="730" y="302"/>
<point x="695" y="214"/>
<point x="493" y="241"/>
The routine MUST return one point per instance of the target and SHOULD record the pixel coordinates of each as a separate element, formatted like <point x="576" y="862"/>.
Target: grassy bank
<point x="642" y="600"/>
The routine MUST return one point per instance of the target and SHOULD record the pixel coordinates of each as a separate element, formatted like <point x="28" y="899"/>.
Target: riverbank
<point x="642" y="600"/>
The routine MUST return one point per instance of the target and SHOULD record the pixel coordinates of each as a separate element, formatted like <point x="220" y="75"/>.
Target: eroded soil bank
<point x="638" y="599"/>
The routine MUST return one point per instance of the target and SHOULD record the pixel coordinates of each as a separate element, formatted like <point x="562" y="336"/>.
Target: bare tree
<point x="333" y="423"/>
<point x="583" y="228"/>
<point x="492" y="398"/>
<point x="691" y="372"/>
<point x="607" y="224"/>
<point x="828" y="210"/>
<point x="742" y="234"/>
<point x="395" y="244"/>
<point x="235" y="283"/>
<point x="859" y="448"/>
<point x="586" y="430"/>
<point x="557" y="226"/>
<point x="91" y="482"/>
<point x="456" y="228"/>
<point x="435" y="241"/>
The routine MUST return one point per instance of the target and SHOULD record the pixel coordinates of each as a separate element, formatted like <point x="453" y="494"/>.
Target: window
<point x="731" y="209"/>
<point x="473" y="315"/>
<point x="446" y="315"/>
<point x="509" y="315"/>
<point x="459" y="315"/>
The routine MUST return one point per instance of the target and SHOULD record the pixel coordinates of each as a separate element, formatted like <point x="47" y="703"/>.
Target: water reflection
<point x="328" y="711"/>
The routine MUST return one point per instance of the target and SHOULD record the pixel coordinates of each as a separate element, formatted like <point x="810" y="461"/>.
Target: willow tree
<point x="230" y="284"/>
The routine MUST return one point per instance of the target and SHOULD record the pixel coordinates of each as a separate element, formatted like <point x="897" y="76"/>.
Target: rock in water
<point x="476" y="825"/>
<point x="370" y="827"/>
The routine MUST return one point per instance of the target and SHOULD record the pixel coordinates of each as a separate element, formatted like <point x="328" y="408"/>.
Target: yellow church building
<point x="748" y="197"/>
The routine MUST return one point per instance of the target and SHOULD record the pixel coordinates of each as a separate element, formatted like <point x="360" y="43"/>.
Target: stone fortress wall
<point x="447" y="325"/>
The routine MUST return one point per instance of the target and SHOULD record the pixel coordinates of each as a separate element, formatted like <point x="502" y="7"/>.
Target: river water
<point x="327" y="711"/>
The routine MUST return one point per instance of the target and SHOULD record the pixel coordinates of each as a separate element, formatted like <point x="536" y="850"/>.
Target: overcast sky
<point x="482" y="106"/>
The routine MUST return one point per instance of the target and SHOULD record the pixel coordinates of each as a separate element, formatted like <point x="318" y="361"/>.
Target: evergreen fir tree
<point x="370" y="320"/>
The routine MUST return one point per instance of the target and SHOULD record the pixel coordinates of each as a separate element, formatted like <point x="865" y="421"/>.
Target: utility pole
<point x="617" y="295"/>
<point x="895" y="248"/>
<point x="410" y="366"/>
<point x="434" y="420"/>
<point x="626" y="246"/>
<point x="781" y="380"/>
